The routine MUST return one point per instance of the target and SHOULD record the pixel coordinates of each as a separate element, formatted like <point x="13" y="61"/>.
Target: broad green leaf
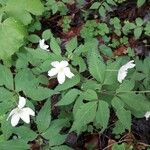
<point x="69" y="97"/>
<point x="135" y="102"/>
<point x="91" y="84"/>
<point x="25" y="80"/>
<point x="53" y="132"/>
<point x="61" y="147"/>
<point x="124" y="117"/>
<point x="90" y="95"/>
<point x="117" y="103"/>
<point x="25" y="133"/>
<point x="111" y="73"/>
<point x="47" y="34"/>
<point x="55" y="46"/>
<point x="6" y="128"/>
<point x="140" y="2"/>
<point x="22" y="10"/>
<point x="68" y="83"/>
<point x="17" y="144"/>
<point x="138" y="32"/>
<point x="33" y="38"/>
<point x="103" y="114"/>
<point x="71" y="45"/>
<point x="96" y="66"/>
<point x="126" y="86"/>
<point x="84" y="115"/>
<point x="43" y="118"/>
<point x="40" y="93"/>
<point x="102" y="11"/>
<point x="118" y="147"/>
<point x="11" y="44"/>
<point x="6" y="77"/>
<point x="95" y="5"/>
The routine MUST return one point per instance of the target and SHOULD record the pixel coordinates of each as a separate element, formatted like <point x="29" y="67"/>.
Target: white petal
<point x="63" y="63"/>
<point x="25" y="116"/>
<point x="15" y="119"/>
<point x="12" y="113"/>
<point x="121" y="75"/>
<point x="29" y="111"/>
<point x="68" y="73"/>
<point x="43" y="45"/>
<point x="52" y="72"/>
<point x="61" y="77"/>
<point x="22" y="102"/>
<point x="147" y="115"/>
<point x="55" y="64"/>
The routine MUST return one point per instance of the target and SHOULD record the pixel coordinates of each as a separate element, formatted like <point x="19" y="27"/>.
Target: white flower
<point x="21" y="112"/>
<point x="122" y="73"/>
<point x="147" y="115"/>
<point x="61" y="70"/>
<point x="43" y="45"/>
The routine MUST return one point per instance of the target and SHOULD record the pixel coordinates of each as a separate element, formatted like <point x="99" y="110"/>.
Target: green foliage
<point x="96" y="44"/>
<point x="22" y="10"/>
<point x="43" y="118"/>
<point x="11" y="44"/>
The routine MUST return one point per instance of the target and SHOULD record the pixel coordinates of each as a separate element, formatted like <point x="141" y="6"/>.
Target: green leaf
<point x="140" y="2"/>
<point x="53" y="132"/>
<point x="6" y="128"/>
<point x="43" y="118"/>
<point x="95" y="5"/>
<point x="47" y="34"/>
<point x="135" y="102"/>
<point x="118" y="147"/>
<point x="126" y="86"/>
<point x="33" y="38"/>
<point x="138" y="32"/>
<point x="6" y="77"/>
<point x="55" y="46"/>
<point x="25" y="133"/>
<point x="84" y="115"/>
<point x="111" y="2"/>
<point x="39" y="93"/>
<point x="90" y="95"/>
<point x="61" y="147"/>
<point x="14" y="145"/>
<point x="71" y="45"/>
<point x="102" y="114"/>
<point x="124" y="117"/>
<point x="11" y="44"/>
<point x="96" y="67"/>
<point x="22" y="10"/>
<point x="102" y="11"/>
<point x="68" y="83"/>
<point x="69" y="97"/>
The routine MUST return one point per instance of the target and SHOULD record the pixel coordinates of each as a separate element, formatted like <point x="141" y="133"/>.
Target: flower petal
<point x="29" y="111"/>
<point x="12" y="113"/>
<point x="64" y="63"/>
<point x="55" y="64"/>
<point x="68" y="73"/>
<point x="15" y="119"/>
<point x="22" y="102"/>
<point x="61" y="77"/>
<point x="122" y="73"/>
<point x="25" y="116"/>
<point x="121" y="76"/>
<point x="147" y="115"/>
<point x="52" y="72"/>
<point x="42" y="45"/>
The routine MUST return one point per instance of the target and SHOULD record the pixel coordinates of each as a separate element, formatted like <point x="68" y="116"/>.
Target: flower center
<point x="61" y="69"/>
